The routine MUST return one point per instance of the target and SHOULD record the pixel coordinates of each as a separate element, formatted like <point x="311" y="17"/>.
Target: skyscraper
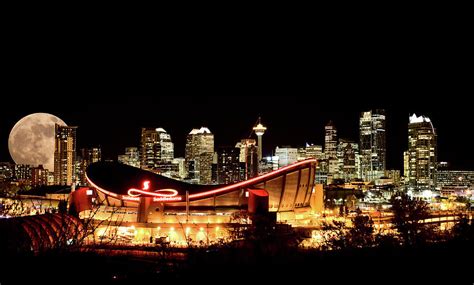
<point x="248" y="158"/>
<point x="149" y="148"/>
<point x="406" y="165"/>
<point x="199" y="155"/>
<point x="131" y="157"/>
<point x="64" y="155"/>
<point x="87" y="157"/>
<point x="228" y="165"/>
<point x="330" y="149"/>
<point x="372" y="144"/>
<point x="166" y="146"/>
<point x="422" y="152"/>
<point x="156" y="148"/>
<point x="347" y="154"/>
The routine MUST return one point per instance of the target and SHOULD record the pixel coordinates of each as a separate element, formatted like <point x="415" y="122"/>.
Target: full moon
<point x="31" y="140"/>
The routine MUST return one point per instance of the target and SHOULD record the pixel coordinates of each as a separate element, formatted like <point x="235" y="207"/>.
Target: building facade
<point x="156" y="148"/>
<point x="422" y="152"/>
<point x="131" y="157"/>
<point x="180" y="165"/>
<point x="455" y="178"/>
<point x="248" y="158"/>
<point x="314" y="151"/>
<point x="199" y="155"/>
<point x="165" y="200"/>
<point x="394" y="175"/>
<point x="228" y="165"/>
<point x="406" y="164"/>
<point x="347" y="155"/>
<point x="330" y="150"/>
<point x="87" y="157"/>
<point x="286" y="155"/>
<point x="39" y="176"/>
<point x="6" y="171"/>
<point x="22" y="173"/>
<point x="372" y="144"/>
<point x="64" y="155"/>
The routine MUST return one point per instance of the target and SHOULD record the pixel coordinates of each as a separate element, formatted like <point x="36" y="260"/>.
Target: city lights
<point x="362" y="183"/>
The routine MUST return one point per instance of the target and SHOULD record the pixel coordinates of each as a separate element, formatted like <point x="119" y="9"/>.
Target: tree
<point x="339" y="236"/>
<point x="8" y="189"/>
<point x="335" y="235"/>
<point x="362" y="232"/>
<point x="464" y="229"/>
<point x="408" y="216"/>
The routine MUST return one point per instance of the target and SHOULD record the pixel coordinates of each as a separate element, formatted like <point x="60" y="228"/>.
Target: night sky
<point x="297" y="77"/>
<point x="291" y="120"/>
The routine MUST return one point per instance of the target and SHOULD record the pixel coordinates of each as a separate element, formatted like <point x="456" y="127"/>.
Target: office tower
<point x="64" y="155"/>
<point x="286" y="155"/>
<point x="248" y="158"/>
<point x="131" y="157"/>
<point x="180" y="162"/>
<point x="39" y="176"/>
<point x="347" y="153"/>
<point x="406" y="164"/>
<point x="330" y="141"/>
<point x="314" y="151"/>
<point x="393" y="175"/>
<point x="252" y="163"/>
<point x="330" y="149"/>
<point x="86" y="158"/>
<point x="244" y="145"/>
<point x="372" y="144"/>
<point x="149" y="148"/>
<point x="166" y="146"/>
<point x="156" y="149"/>
<point x="199" y="155"/>
<point x="259" y="130"/>
<point x="422" y="152"/>
<point x="228" y="165"/>
<point x="302" y="153"/>
<point x="22" y="173"/>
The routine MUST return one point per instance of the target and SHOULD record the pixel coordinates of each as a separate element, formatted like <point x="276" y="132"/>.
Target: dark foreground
<point x="449" y="263"/>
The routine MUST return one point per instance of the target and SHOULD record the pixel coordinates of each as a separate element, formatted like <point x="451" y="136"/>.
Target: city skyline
<point x="290" y="121"/>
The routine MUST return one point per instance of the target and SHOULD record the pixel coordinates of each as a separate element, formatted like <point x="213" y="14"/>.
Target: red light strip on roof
<point x="251" y="181"/>
<point x="158" y="193"/>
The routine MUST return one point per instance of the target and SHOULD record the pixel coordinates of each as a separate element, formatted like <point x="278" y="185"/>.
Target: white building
<point x="286" y="155"/>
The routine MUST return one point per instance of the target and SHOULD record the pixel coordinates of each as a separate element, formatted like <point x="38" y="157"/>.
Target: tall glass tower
<point x="372" y="144"/>
<point x="156" y="148"/>
<point x="422" y="152"/>
<point x="64" y="155"/>
<point x="199" y="155"/>
<point x="330" y="149"/>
